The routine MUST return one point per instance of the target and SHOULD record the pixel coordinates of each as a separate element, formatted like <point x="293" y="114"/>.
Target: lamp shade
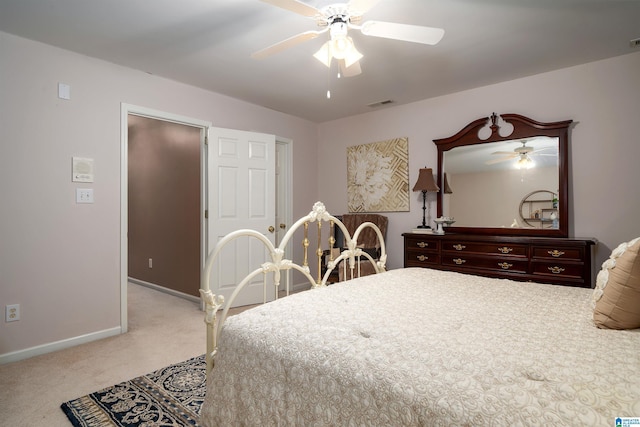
<point x="324" y="54"/>
<point x="352" y="55"/>
<point x="425" y="181"/>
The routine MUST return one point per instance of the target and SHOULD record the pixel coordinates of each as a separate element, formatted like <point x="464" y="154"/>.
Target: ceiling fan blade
<point x="406" y="32"/>
<point x="351" y="71"/>
<point x="360" y="7"/>
<point x="506" y="153"/>
<point x="545" y="149"/>
<point x="286" y="44"/>
<point x="500" y="160"/>
<point x="295" y="7"/>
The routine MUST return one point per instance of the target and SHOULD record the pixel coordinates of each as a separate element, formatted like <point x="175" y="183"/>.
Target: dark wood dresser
<point x="561" y="261"/>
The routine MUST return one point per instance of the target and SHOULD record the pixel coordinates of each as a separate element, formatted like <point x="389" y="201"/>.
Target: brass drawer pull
<point x="422" y="244"/>
<point x="459" y="247"/>
<point x="422" y="258"/>
<point x="505" y="250"/>
<point x="555" y="253"/>
<point x="556" y="270"/>
<point x="459" y="261"/>
<point x="505" y="265"/>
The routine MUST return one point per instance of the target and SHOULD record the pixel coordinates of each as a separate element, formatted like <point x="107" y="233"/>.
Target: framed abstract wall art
<point x="378" y="176"/>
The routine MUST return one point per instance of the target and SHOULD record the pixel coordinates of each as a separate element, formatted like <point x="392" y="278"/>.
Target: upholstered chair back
<point x="368" y="238"/>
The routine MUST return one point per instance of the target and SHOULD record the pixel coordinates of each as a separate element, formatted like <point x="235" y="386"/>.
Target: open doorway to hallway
<point x="165" y="206"/>
<point x="130" y="111"/>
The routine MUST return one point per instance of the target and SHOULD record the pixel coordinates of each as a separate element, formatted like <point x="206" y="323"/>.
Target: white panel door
<point x="241" y="195"/>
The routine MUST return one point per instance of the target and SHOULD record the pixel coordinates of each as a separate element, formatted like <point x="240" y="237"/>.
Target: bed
<point x="418" y="347"/>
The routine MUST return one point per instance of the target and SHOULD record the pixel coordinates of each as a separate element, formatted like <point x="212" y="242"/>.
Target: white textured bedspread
<point x="419" y="347"/>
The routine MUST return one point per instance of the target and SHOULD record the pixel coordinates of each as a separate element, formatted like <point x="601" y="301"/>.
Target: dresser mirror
<point x="488" y="169"/>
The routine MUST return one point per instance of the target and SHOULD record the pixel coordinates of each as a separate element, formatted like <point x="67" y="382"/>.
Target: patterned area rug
<point x="170" y="396"/>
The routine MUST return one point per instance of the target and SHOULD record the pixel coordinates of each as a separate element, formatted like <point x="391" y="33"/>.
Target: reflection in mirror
<point x="489" y="181"/>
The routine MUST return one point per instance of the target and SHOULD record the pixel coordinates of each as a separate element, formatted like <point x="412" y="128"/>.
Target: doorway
<point x="132" y="110"/>
<point x="164" y="205"/>
<point x="283" y="196"/>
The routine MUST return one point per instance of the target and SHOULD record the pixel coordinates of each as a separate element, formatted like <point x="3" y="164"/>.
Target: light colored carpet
<point x="163" y="330"/>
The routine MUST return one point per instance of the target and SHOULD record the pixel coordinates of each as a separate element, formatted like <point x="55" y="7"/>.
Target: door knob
<point x="283" y="226"/>
<point x="271" y="229"/>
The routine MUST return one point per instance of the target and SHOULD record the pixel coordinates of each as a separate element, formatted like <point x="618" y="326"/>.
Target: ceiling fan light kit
<point x="337" y="20"/>
<point x="339" y="47"/>
<point x="525" y="162"/>
<point x="524" y="155"/>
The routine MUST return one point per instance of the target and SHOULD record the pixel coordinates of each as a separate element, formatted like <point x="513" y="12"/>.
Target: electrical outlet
<point x="12" y="312"/>
<point x="150" y="262"/>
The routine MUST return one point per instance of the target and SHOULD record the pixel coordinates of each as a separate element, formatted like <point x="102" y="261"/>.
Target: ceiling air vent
<point x="634" y="43"/>
<point x="380" y="103"/>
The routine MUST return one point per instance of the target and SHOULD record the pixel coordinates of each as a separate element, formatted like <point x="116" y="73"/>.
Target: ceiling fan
<point x="337" y="19"/>
<point x="522" y="154"/>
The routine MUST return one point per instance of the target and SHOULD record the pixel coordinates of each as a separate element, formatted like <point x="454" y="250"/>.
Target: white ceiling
<point x="208" y="43"/>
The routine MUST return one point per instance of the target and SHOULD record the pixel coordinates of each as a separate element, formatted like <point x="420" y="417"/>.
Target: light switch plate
<point x="64" y="91"/>
<point x="84" y="195"/>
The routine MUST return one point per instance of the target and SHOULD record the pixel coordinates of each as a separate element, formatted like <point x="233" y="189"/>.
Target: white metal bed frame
<point x="213" y="303"/>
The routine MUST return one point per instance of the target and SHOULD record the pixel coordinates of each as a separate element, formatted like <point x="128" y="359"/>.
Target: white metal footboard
<point x="352" y="254"/>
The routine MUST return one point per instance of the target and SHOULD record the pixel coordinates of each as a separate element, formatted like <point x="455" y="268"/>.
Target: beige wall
<point x="501" y="194"/>
<point x="603" y="98"/>
<point x="59" y="260"/>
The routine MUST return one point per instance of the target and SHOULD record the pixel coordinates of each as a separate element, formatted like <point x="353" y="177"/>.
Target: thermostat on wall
<point x="82" y="170"/>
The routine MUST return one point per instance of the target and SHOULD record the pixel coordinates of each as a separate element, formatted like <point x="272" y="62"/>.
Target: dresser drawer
<point x="422" y="244"/>
<point x="558" y="270"/>
<point x="558" y="252"/>
<point x="421" y="258"/>
<point x="486" y="248"/>
<point x="513" y="265"/>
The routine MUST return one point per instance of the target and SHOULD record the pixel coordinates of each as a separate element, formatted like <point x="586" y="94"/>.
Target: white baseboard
<point x="58" y="345"/>
<point x="165" y="290"/>
<point x="296" y="287"/>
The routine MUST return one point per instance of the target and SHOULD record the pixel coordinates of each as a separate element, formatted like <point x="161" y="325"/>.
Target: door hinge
<point x="206" y="213"/>
<point x="206" y="140"/>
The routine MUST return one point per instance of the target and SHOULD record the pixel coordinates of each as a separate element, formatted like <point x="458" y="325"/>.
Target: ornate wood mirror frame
<point x="523" y="128"/>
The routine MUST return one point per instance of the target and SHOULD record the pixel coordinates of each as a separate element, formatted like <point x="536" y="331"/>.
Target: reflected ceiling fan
<point x="337" y="19"/>
<point x="522" y="154"/>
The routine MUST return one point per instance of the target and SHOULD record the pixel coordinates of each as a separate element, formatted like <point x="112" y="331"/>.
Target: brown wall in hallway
<point x="164" y="203"/>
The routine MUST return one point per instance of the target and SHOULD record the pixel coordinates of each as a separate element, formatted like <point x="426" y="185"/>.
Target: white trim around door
<point x="125" y="111"/>
<point x="284" y="190"/>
